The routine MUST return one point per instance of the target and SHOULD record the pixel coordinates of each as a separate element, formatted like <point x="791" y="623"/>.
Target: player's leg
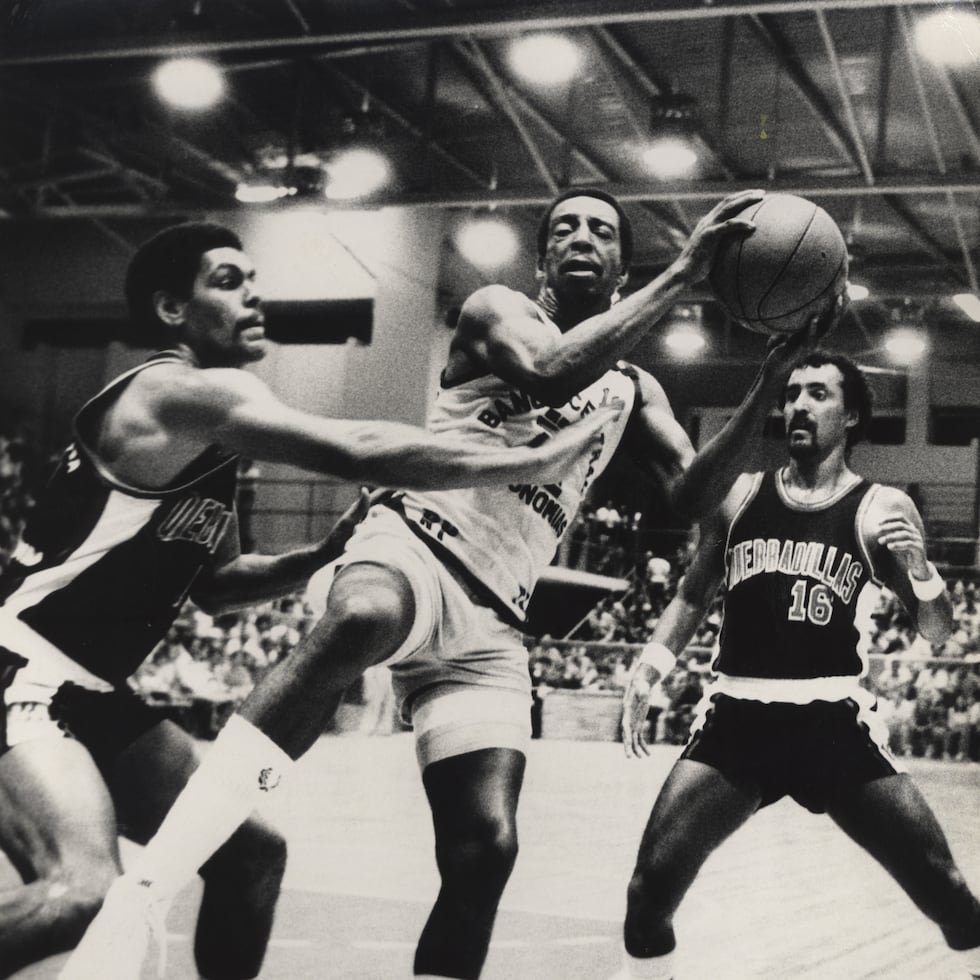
<point x="891" y="820"/>
<point x="58" y="828"/>
<point x="242" y="879"/>
<point x="369" y="614"/>
<point x="474" y="814"/>
<point x="696" y="810"/>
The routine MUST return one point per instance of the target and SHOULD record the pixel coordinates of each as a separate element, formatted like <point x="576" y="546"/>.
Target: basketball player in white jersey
<point x="139" y="514"/>
<point x="803" y="552"/>
<point x="436" y="584"/>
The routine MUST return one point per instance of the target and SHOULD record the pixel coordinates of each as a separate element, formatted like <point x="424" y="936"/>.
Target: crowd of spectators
<point x="928" y="694"/>
<point x="16" y="463"/>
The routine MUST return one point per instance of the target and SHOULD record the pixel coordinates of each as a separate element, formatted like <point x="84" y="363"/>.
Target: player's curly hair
<point x="625" y="226"/>
<point x="170" y="261"/>
<point x="857" y="392"/>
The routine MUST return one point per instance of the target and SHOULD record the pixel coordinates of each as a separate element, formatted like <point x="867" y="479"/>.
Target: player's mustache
<point x="801" y="420"/>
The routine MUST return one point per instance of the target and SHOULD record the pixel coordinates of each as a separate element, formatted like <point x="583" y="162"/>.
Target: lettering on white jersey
<point x="519" y="402"/>
<point x="809" y="559"/>
<point x="543" y="500"/>
<point x="72" y="459"/>
<point x="202" y="521"/>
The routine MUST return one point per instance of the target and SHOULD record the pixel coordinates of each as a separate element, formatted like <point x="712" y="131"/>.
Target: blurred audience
<point x="928" y="694"/>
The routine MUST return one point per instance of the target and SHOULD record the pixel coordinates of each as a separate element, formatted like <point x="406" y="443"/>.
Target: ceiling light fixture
<point x="262" y="193"/>
<point x="356" y="173"/>
<point x="685" y="341"/>
<point x="673" y="122"/>
<point x="905" y="346"/>
<point x="969" y="303"/>
<point x="189" y="83"/>
<point x="488" y="243"/>
<point x="949" y="37"/>
<point x="857" y="292"/>
<point x="670" y="157"/>
<point x="546" y="59"/>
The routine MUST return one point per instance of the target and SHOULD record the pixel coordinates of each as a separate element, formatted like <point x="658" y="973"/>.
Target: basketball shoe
<point x="118" y="939"/>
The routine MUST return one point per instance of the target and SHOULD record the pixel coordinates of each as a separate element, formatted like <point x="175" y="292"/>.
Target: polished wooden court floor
<point x="788" y="896"/>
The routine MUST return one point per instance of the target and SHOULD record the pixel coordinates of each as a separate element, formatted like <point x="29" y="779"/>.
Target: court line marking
<point x="393" y="944"/>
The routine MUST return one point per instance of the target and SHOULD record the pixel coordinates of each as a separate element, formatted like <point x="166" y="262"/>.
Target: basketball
<point x="790" y="268"/>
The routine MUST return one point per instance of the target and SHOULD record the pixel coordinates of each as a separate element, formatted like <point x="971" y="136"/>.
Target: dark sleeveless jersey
<point x="102" y="568"/>
<point x="800" y="587"/>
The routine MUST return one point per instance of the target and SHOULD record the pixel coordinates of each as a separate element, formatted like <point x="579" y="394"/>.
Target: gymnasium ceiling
<point x="827" y="99"/>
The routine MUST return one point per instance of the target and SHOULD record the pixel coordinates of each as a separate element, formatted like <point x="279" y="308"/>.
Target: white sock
<point x="970" y="960"/>
<point x="648" y="967"/>
<point x="242" y="767"/>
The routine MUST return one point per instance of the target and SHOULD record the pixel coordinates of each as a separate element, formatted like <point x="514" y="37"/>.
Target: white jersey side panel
<point x="505" y="536"/>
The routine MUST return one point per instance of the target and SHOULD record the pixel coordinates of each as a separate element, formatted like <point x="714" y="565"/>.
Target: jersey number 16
<point x="818" y="606"/>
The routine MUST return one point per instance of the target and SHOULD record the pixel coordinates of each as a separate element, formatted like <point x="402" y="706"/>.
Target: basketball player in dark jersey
<point x="138" y="515"/>
<point x="436" y="584"/>
<point x="802" y="553"/>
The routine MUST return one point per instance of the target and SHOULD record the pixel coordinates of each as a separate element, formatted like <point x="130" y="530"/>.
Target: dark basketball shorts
<point x="815" y="753"/>
<point x="105" y="723"/>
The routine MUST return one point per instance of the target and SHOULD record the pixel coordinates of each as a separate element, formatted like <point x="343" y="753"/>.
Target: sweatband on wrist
<point x="930" y="588"/>
<point x="659" y="657"/>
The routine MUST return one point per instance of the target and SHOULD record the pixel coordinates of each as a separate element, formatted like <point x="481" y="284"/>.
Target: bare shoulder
<point x="741" y="489"/>
<point x="182" y="384"/>
<point x="491" y="304"/>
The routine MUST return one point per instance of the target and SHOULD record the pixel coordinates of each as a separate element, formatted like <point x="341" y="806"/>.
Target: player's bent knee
<point x="486" y="852"/>
<point x="370" y="616"/>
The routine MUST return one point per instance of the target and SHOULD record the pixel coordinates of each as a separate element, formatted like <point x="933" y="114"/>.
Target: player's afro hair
<point x="170" y="261"/>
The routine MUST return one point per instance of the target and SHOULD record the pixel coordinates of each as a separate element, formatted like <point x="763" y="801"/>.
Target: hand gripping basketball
<point x="698" y="254"/>
<point x="784" y="350"/>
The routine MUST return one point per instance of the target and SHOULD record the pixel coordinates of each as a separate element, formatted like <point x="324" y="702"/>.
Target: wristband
<point x="927" y="589"/>
<point x="659" y="657"/>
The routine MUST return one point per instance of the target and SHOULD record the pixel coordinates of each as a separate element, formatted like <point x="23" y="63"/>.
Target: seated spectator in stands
<point x="658" y="571"/>
<point x="234" y="676"/>
<point x="957" y="728"/>
<point x="156" y="679"/>
<point x="895" y="677"/>
<point x="684" y="689"/>
<point x="973" y="724"/>
<point x="902" y="720"/>
<point x="195" y="672"/>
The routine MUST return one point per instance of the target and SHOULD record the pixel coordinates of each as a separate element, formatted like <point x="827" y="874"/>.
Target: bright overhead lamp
<point x="189" y="83"/>
<point x="261" y="193"/>
<point x="857" y="292"/>
<point x="949" y="37"/>
<point x="905" y="346"/>
<point x="356" y="173"/>
<point x="685" y="341"/>
<point x="670" y="157"/>
<point x="546" y="59"/>
<point x="487" y="242"/>
<point x="969" y="303"/>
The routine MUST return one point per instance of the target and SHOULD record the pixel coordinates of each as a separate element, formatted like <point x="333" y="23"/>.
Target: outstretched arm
<point x="675" y="629"/>
<point x="235" y="580"/>
<point x="716" y="465"/>
<point x="896" y="537"/>
<point x="499" y="328"/>
<point x="239" y="412"/>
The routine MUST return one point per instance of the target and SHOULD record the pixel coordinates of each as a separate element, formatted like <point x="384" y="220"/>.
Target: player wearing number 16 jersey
<point x="801" y="553"/>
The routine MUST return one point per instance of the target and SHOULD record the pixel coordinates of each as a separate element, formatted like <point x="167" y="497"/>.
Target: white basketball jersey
<point x="504" y="536"/>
